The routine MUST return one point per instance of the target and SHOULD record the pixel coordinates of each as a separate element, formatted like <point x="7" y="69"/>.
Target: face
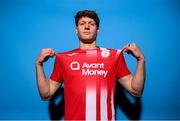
<point x="87" y="30"/>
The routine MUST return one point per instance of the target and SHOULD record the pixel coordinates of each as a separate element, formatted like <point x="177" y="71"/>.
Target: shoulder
<point x="116" y="51"/>
<point x="67" y="53"/>
<point x="110" y="49"/>
<point x="109" y="52"/>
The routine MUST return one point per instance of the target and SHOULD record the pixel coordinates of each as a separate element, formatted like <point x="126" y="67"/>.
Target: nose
<point x="86" y="26"/>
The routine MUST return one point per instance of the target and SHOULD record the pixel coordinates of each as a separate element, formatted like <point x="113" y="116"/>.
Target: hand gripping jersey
<point x="89" y="78"/>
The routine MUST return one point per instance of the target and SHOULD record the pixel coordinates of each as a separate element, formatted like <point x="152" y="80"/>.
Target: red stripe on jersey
<point x="98" y="95"/>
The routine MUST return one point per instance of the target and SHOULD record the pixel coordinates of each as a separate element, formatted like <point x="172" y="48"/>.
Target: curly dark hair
<point x="87" y="13"/>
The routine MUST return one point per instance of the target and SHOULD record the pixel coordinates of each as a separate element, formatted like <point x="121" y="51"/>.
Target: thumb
<point x="52" y="53"/>
<point x="124" y="50"/>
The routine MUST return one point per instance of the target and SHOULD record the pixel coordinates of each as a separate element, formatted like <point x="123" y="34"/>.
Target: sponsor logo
<point x="90" y="68"/>
<point x="75" y="66"/>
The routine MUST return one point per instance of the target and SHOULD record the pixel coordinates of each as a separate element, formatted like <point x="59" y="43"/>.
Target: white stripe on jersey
<point x="90" y="104"/>
<point x="112" y="105"/>
<point x="103" y="104"/>
<point x="91" y="52"/>
<point x="117" y="53"/>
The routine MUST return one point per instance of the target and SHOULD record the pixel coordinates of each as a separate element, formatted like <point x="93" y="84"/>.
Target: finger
<point x="45" y="52"/>
<point x="126" y="51"/>
<point x="134" y="44"/>
<point x="52" y="53"/>
<point x="45" y="55"/>
<point x="126" y="48"/>
<point x="47" y="49"/>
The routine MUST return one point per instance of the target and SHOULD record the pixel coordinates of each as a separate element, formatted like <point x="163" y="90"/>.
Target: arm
<point x="46" y="87"/>
<point x="135" y="83"/>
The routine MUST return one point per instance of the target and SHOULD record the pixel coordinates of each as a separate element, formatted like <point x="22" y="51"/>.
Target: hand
<point x="44" y="55"/>
<point x="133" y="50"/>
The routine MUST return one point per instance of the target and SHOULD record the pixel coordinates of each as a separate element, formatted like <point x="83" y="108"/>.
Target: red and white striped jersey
<point x="89" y="78"/>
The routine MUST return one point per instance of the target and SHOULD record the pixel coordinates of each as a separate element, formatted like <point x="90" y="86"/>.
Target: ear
<point x="98" y="31"/>
<point x="76" y="31"/>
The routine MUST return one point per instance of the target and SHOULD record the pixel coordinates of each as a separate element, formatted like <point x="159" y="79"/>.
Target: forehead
<point x="86" y="19"/>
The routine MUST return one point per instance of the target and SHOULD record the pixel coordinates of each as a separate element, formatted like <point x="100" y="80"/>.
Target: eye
<point x="92" y="24"/>
<point x="82" y="23"/>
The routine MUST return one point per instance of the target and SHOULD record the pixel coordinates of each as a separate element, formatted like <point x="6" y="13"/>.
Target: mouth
<point x="86" y="33"/>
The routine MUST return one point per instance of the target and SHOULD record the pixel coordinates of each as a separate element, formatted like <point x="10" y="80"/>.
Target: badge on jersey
<point x="105" y="53"/>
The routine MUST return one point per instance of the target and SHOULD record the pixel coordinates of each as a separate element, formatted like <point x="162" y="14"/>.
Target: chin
<point x="87" y="41"/>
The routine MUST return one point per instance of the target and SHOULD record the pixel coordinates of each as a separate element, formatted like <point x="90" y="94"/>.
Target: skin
<point x="87" y="32"/>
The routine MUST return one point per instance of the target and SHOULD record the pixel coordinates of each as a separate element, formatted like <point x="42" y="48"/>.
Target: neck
<point x="85" y="46"/>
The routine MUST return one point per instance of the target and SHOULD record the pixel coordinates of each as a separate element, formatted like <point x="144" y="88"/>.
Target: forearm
<point x="139" y="77"/>
<point x="42" y="82"/>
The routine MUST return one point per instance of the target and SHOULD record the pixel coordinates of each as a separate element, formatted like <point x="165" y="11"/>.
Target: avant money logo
<point x="75" y="66"/>
<point x="90" y="68"/>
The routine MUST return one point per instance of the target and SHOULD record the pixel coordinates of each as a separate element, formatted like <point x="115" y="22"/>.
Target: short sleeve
<point x="57" y="71"/>
<point x="122" y="69"/>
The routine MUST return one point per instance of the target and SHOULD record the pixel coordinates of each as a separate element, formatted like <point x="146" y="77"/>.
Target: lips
<point x="86" y="33"/>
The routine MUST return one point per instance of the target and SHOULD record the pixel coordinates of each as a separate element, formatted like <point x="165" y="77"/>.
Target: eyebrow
<point x="88" y="21"/>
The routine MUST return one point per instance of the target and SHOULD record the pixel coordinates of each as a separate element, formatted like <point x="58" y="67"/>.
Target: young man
<point x="89" y="73"/>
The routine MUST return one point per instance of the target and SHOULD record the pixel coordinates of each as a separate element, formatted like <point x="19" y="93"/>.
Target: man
<point x="89" y="73"/>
